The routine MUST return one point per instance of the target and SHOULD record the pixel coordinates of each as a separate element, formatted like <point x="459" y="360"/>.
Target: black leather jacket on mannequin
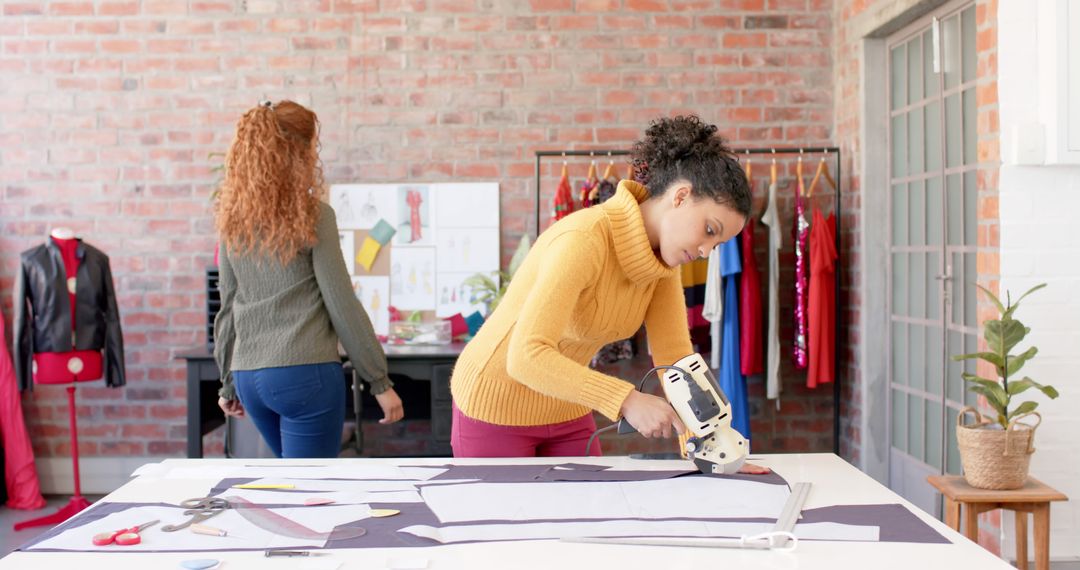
<point x="43" y="310"/>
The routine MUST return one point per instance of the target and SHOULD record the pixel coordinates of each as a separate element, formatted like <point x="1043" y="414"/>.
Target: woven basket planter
<point x="995" y="458"/>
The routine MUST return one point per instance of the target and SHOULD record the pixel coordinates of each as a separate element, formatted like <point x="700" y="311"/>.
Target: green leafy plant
<point x="1002" y="335"/>
<point x="489" y="292"/>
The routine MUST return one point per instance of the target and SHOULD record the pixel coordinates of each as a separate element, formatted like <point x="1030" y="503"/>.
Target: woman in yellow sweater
<point x="523" y="387"/>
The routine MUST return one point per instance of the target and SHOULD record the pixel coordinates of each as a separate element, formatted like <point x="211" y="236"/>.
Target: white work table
<point x="835" y="482"/>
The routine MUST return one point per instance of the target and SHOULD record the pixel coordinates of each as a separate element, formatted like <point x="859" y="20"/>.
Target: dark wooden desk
<point x="420" y="363"/>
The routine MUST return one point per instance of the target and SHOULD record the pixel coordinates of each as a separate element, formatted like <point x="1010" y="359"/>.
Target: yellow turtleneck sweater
<point x="592" y="278"/>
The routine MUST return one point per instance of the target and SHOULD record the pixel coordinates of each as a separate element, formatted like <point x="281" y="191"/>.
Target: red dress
<point x="750" y="315"/>
<point x="822" y="317"/>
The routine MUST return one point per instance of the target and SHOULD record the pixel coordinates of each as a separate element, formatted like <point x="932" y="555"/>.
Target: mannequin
<point x="65" y="317"/>
<point x="74" y="365"/>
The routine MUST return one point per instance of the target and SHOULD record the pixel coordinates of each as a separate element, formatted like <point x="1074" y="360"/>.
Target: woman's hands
<point x="391" y="406"/>
<point x="231" y="407"/>
<point x="651" y="415"/>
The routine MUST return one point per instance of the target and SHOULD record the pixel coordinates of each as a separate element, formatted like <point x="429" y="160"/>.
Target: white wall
<point x="1040" y="242"/>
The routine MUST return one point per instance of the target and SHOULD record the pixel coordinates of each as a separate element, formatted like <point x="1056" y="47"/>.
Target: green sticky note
<point x="382" y="232"/>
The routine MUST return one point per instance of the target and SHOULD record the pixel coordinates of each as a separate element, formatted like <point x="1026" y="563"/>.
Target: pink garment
<point x="413" y="198"/>
<point x="802" y="277"/>
<point x="474" y="438"/>
<point x="23" y="489"/>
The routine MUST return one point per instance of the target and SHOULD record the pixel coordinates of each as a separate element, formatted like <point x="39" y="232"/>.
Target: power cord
<point x="622" y="422"/>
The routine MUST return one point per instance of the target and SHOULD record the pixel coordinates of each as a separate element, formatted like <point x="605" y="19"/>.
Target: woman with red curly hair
<point x="286" y="296"/>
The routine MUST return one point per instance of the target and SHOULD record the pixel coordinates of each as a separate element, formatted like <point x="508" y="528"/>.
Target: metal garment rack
<point x="841" y="336"/>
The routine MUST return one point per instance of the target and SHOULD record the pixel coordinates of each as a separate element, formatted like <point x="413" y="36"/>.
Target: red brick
<point x="71" y="8"/>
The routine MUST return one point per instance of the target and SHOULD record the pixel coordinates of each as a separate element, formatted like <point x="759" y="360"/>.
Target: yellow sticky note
<point x="367" y="254"/>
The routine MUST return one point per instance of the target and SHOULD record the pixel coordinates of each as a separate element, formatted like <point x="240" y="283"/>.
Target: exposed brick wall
<point x="109" y="111"/>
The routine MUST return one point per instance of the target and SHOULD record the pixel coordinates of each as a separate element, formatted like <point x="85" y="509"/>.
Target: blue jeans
<point x="299" y="410"/>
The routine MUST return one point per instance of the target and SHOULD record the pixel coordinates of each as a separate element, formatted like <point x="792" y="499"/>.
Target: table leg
<point x="1041" y="515"/>
<point x="971" y="522"/>
<point x="194" y="412"/>
<point x="952" y="514"/>
<point x="1021" y="540"/>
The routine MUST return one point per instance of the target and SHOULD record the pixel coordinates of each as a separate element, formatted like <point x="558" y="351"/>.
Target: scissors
<point x="199" y="510"/>
<point x="122" y="537"/>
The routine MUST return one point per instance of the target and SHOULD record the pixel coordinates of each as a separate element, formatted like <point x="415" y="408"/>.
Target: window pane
<point x="898" y="76"/>
<point x="899" y="146"/>
<point x="899" y="353"/>
<point x="971" y="140"/>
<point x="899" y="418"/>
<point x="899" y="215"/>
<point x="916" y="426"/>
<point x="914" y="61"/>
<point x="950" y="46"/>
<point x="934" y="434"/>
<point x="917" y="355"/>
<point x="953" y="467"/>
<point x="954" y="383"/>
<point x="954" y="126"/>
<point x="971" y="220"/>
<point x="967" y="24"/>
<point x="930" y="79"/>
<point x="954" y="208"/>
<point x="935" y="364"/>
<point x="933" y="136"/>
<point x="934" y="206"/>
<point x="899" y="284"/>
<point x="958" y="288"/>
<point x="916" y="144"/>
<point x="917" y="213"/>
<point x="971" y="274"/>
<point x="917" y="284"/>
<point x="933" y="287"/>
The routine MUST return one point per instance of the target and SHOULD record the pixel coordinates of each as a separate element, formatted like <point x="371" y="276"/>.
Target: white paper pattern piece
<point x="359" y="485"/>
<point x="833" y="531"/>
<point x="348" y="250"/>
<point x="468" y="250"/>
<point x="217" y="473"/>
<point x="467" y="205"/>
<point x="454" y="296"/>
<point x="412" y="279"/>
<point x="277" y="497"/>
<point x="617" y="528"/>
<point x="414" y="227"/>
<point x="361" y="206"/>
<point x="242" y="533"/>
<point x="374" y="295"/>
<point x="681" y="497"/>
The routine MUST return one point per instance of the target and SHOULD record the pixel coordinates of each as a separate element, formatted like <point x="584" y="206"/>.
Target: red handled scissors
<point x="122" y="537"/>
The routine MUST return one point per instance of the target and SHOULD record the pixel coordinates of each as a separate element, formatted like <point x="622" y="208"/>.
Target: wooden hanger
<point x="629" y="171"/>
<point x="798" y="172"/>
<point x="610" y="170"/>
<point x="822" y="170"/>
<point x="772" y="172"/>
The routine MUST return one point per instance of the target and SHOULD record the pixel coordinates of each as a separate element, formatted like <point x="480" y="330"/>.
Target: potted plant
<point x="995" y="452"/>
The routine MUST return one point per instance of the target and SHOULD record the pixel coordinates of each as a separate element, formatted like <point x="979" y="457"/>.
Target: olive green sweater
<point x="284" y="315"/>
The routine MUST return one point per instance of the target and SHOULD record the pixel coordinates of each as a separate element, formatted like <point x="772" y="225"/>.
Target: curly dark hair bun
<point x="686" y="148"/>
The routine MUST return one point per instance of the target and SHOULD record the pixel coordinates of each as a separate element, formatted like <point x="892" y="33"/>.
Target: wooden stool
<point x="1034" y="497"/>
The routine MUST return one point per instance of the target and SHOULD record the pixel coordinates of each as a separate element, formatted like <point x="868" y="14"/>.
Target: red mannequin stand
<point x="77" y="502"/>
<point x="67" y="368"/>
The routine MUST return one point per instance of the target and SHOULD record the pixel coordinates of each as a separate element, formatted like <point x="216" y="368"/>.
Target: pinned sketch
<point x="361" y="206"/>
<point x="467" y="205"/>
<point x="412" y="279"/>
<point x="469" y="250"/>
<point x="348" y="249"/>
<point x="455" y="297"/>
<point x="414" y="216"/>
<point x="374" y="295"/>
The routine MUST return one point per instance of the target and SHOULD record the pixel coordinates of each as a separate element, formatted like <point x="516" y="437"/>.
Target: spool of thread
<point x="207" y="530"/>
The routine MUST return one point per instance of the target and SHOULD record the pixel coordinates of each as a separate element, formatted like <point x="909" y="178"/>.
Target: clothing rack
<point x="773" y="151"/>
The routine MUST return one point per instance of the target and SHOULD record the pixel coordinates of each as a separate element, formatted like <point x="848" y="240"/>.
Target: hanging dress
<point x="731" y="380"/>
<point x="771" y="219"/>
<point x="750" y="316"/>
<point x="822" y="313"/>
<point x="802" y="274"/>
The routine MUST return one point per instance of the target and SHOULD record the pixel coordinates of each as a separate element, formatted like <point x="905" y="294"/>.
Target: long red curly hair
<point x="268" y="203"/>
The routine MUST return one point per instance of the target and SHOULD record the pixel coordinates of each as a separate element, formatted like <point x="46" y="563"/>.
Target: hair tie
<point x="266" y="103"/>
